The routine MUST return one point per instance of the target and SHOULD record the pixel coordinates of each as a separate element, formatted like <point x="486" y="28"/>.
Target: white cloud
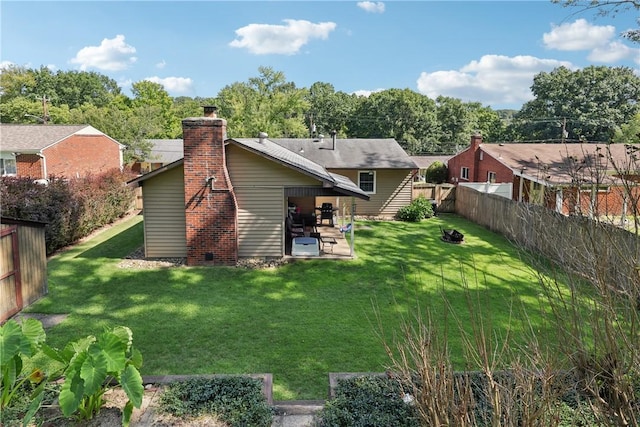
<point x="579" y="35"/>
<point x="112" y="55"/>
<point x="264" y="39"/>
<point x="494" y="79"/>
<point x="161" y="64"/>
<point x="173" y="85"/>
<point x="371" y="6"/>
<point x="614" y="52"/>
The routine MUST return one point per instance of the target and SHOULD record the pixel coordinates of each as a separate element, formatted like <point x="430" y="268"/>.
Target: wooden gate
<point x="10" y="282"/>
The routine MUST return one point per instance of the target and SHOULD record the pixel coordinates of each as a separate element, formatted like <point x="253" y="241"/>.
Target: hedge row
<point x="71" y="209"/>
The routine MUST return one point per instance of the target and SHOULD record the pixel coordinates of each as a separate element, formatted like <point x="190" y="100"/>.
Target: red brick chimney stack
<point x="210" y="203"/>
<point x="476" y="140"/>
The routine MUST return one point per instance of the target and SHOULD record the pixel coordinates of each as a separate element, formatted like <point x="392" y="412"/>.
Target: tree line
<point x="597" y="103"/>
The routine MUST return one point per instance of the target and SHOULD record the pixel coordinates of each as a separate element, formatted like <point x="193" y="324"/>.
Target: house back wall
<point x="80" y="155"/>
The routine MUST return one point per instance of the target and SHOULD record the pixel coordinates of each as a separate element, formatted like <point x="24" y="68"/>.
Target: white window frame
<point x="464" y="173"/>
<point x="4" y="157"/>
<point x="369" y="173"/>
<point x="491" y="177"/>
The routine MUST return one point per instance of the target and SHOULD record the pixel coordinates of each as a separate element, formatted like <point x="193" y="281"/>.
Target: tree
<point x="587" y="104"/>
<point x="150" y="96"/>
<point x="330" y="110"/>
<point x="402" y="114"/>
<point x="629" y="133"/>
<point x="266" y="103"/>
<point x="15" y="82"/>
<point x="455" y="124"/>
<point x="76" y="88"/>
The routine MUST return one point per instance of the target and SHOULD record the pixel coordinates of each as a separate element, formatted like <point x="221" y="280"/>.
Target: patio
<point x="339" y="249"/>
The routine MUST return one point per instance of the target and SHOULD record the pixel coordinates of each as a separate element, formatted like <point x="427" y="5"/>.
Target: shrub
<point x="419" y="209"/>
<point x="368" y="401"/>
<point x="237" y="400"/>
<point x="94" y="365"/>
<point x="436" y="173"/>
<point x="71" y="209"/>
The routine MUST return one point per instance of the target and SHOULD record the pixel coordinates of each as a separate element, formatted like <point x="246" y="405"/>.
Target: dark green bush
<point x="71" y="209"/>
<point x="237" y="400"/>
<point x="419" y="209"/>
<point x="436" y="173"/>
<point x="368" y="401"/>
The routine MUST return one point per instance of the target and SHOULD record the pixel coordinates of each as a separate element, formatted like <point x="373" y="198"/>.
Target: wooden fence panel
<point x="10" y="285"/>
<point x="23" y="265"/>
<point x="443" y="194"/>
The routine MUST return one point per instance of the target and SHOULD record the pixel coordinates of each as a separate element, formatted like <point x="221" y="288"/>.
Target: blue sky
<point x="473" y="50"/>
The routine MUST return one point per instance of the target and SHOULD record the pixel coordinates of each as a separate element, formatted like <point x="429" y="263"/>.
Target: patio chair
<point x="293" y="230"/>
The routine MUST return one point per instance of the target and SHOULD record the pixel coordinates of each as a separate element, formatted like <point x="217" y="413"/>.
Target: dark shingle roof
<point x="165" y="150"/>
<point x="33" y="138"/>
<point x="350" y="153"/>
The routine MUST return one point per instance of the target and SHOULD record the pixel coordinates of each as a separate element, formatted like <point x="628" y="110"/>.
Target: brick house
<point x="229" y="198"/>
<point x="571" y="178"/>
<point x="39" y="151"/>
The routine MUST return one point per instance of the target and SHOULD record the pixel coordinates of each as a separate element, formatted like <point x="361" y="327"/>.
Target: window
<point x="8" y="166"/>
<point x="491" y="177"/>
<point x="464" y="173"/>
<point x="367" y="181"/>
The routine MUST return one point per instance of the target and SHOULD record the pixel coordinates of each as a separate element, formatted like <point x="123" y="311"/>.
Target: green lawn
<point x="300" y="321"/>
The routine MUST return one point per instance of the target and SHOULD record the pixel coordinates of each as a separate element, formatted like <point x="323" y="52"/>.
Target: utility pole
<point x="45" y="113"/>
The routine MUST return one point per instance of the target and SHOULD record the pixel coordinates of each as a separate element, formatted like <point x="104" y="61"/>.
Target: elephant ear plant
<point x="19" y="342"/>
<point x="94" y="365"/>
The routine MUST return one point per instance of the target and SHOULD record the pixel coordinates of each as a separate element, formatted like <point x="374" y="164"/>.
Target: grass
<point x="301" y="320"/>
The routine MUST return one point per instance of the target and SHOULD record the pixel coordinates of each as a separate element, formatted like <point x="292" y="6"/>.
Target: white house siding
<point x="259" y="187"/>
<point x="393" y="191"/>
<point x="164" y="218"/>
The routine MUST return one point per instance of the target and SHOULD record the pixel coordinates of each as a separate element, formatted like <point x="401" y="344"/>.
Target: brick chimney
<point x="476" y="140"/>
<point x="210" y="203"/>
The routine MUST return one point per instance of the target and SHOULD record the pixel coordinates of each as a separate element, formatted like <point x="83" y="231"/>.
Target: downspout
<point x="44" y="164"/>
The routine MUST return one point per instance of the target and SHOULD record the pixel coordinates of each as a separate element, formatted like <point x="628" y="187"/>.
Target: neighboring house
<point x="228" y="198"/>
<point x="163" y="152"/>
<point x="423" y="163"/>
<point x="39" y="151"/>
<point x="572" y="178"/>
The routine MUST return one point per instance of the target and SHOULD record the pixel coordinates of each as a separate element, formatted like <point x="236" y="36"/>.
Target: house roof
<point x="165" y="151"/>
<point x="35" y="138"/>
<point x="423" y="162"/>
<point x="279" y="154"/>
<point x="350" y="153"/>
<point x="563" y="163"/>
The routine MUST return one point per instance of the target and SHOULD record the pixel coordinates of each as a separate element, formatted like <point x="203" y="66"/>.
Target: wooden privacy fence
<point x="443" y="194"/>
<point x="23" y="265"/>
<point x="593" y="249"/>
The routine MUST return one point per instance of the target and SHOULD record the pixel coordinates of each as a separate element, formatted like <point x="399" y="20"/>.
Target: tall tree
<point x="588" y="104"/>
<point x="266" y="103"/>
<point x="402" y="114"/>
<point x="149" y="96"/>
<point x="330" y="110"/>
